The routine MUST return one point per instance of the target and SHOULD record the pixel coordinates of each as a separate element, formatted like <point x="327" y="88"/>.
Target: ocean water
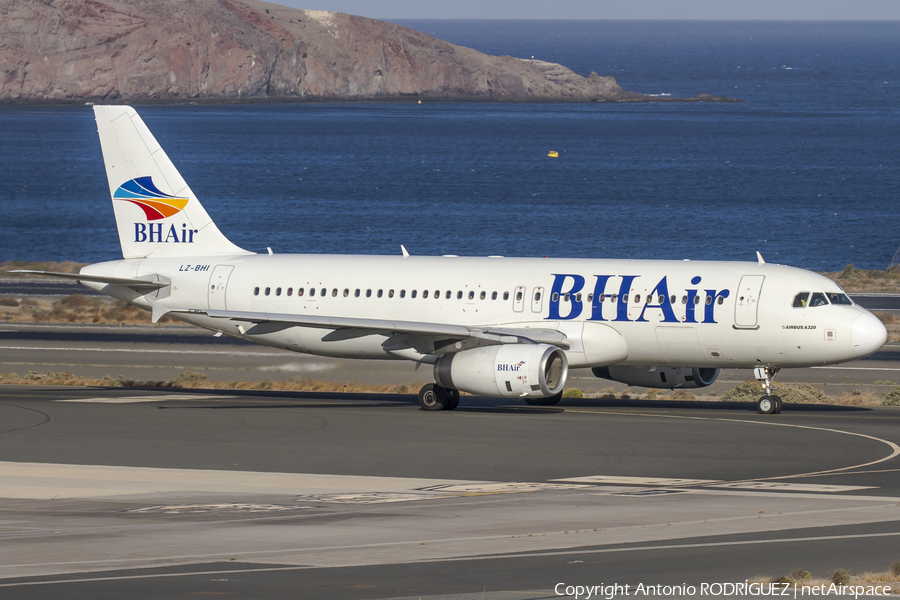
<point x="806" y="170"/>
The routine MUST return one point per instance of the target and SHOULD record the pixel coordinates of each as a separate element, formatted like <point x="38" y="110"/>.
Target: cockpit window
<point x="818" y="299"/>
<point x="801" y="300"/>
<point x="839" y="299"/>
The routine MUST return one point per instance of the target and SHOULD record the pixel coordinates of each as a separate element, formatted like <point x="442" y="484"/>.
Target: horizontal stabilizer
<point x="78" y="277"/>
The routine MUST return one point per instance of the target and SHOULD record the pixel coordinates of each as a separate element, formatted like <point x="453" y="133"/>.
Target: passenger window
<point x="403" y="293"/>
<point x="696" y="299"/>
<point x="555" y="297"/>
<point x="842" y="299"/>
<point x="818" y="299"/>
<point x="312" y="291"/>
<point x="518" y="296"/>
<point x="613" y="298"/>
<point x="290" y="292"/>
<point x="334" y="293"/>
<point x="448" y="294"/>
<point x="684" y="299"/>
<point x="566" y="297"/>
<point x="601" y="298"/>
<point x="268" y="291"/>
<point x="390" y="293"/>
<point x="483" y="295"/>
<point x="356" y="293"/>
<point x="256" y="291"/>
<point x="299" y="292"/>
<point x="277" y="291"/>
<point x="720" y="300"/>
<point x="346" y="292"/>
<point x="380" y="293"/>
<point x="437" y="294"/>
<point x="323" y="292"/>
<point x="506" y="295"/>
<point x="424" y="293"/>
<point x="578" y="297"/>
<point x="637" y="298"/>
<point x="663" y="298"/>
<point x="368" y="293"/>
<point x="471" y="295"/>
<point x="590" y="298"/>
<point x="709" y="299"/>
<point x="459" y="295"/>
<point x="625" y="298"/>
<point x="494" y="296"/>
<point x="672" y="299"/>
<point x="413" y="294"/>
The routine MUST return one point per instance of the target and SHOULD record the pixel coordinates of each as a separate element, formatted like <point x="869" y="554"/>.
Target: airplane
<point x="490" y="326"/>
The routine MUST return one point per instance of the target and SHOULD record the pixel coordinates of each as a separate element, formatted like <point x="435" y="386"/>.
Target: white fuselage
<point x="699" y="313"/>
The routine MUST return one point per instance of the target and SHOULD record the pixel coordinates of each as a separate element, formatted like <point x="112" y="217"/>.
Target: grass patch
<point x="802" y="578"/>
<point x="76" y="308"/>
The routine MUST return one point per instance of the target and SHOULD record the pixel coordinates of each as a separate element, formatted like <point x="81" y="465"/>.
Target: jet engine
<point x="659" y="377"/>
<point x="508" y="370"/>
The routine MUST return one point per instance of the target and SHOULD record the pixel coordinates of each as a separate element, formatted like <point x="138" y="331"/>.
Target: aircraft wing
<point x="356" y="327"/>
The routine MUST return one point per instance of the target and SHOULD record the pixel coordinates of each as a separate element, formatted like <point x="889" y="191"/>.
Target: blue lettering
<point x="140" y="232"/>
<point x="155" y="232"/>
<point x="597" y="302"/>
<point x="173" y="234"/>
<point x="690" y="309"/>
<point x="191" y="233"/>
<point x="622" y="309"/>
<point x="662" y="291"/>
<point x="708" y="316"/>
<point x="556" y="294"/>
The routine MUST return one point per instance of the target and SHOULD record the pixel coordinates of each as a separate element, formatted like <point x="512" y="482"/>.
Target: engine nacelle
<point x="507" y="370"/>
<point x="659" y="377"/>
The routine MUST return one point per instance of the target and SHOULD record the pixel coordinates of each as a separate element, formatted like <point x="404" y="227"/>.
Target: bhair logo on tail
<point x="155" y="204"/>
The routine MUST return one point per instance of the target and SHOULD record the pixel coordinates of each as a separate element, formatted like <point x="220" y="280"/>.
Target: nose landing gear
<point x="769" y="404"/>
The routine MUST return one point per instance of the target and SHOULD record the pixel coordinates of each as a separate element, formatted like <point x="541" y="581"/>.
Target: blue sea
<point x="806" y="170"/>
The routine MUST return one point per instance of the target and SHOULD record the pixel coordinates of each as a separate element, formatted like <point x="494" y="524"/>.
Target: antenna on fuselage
<point x="403" y="250"/>
<point x="760" y="258"/>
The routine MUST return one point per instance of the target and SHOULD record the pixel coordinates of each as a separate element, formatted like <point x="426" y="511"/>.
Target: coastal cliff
<point x="79" y="50"/>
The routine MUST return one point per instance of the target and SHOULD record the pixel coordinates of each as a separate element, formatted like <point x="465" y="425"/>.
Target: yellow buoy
<point x="553" y="153"/>
<point x="420" y="102"/>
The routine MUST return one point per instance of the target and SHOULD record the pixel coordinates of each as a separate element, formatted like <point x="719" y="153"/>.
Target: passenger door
<point x="218" y="282"/>
<point x="746" y="304"/>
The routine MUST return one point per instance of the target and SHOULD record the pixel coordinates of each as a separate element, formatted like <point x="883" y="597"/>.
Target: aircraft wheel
<point x="433" y="397"/>
<point x="453" y="402"/>
<point x="779" y="404"/>
<point x="767" y="405"/>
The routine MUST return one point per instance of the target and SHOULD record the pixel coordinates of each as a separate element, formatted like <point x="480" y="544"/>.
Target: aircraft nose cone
<point x="867" y="334"/>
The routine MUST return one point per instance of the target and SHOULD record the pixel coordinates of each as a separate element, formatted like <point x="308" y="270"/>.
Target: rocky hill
<point x="77" y="50"/>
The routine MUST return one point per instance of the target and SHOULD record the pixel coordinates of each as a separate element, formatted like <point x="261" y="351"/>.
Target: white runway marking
<point x="791" y="487"/>
<point x="859" y="368"/>
<point x="616" y="480"/>
<point x="136" y="399"/>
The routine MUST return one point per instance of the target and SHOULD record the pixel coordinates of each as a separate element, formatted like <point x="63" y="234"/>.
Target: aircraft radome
<point x="504" y="327"/>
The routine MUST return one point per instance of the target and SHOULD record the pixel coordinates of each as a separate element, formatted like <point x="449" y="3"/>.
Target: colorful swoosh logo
<point x="155" y="204"/>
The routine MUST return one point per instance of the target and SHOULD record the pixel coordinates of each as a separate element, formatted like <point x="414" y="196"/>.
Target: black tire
<point x="779" y="404"/>
<point x="766" y="405"/>
<point x="433" y="397"/>
<point x="453" y="402"/>
<point x="552" y="400"/>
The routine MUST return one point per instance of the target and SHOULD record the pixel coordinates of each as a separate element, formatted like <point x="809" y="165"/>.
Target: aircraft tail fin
<point x="157" y="214"/>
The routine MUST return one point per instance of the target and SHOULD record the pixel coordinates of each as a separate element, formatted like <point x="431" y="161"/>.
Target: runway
<point x="140" y="494"/>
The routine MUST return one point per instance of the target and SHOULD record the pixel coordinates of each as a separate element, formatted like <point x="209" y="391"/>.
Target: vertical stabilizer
<point x="157" y="214"/>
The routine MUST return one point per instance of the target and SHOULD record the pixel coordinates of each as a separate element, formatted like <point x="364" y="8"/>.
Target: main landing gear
<point x="552" y="400"/>
<point x="435" y="397"/>
<point x="769" y="404"/>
